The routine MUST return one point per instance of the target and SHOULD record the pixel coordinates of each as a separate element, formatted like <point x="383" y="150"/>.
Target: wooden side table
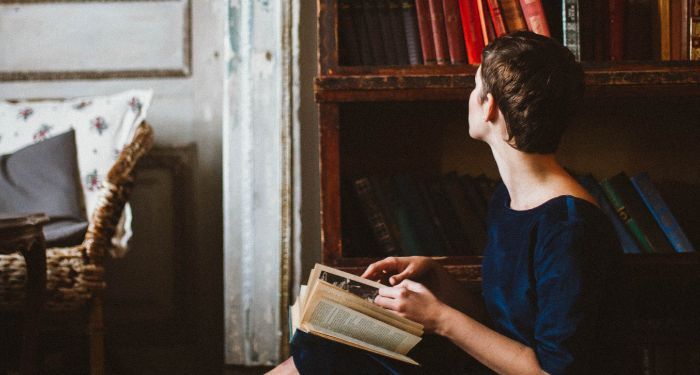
<point x="23" y="233"/>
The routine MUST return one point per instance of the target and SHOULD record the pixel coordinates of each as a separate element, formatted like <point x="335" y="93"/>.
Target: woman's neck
<point x="531" y="179"/>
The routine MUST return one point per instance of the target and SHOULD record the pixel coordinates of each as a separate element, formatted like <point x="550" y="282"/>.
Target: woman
<point x="550" y="248"/>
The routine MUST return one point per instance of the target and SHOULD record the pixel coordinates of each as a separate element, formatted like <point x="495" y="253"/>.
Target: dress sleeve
<point x="569" y="275"/>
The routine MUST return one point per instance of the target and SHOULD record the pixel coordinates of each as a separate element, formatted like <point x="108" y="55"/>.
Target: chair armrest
<point x="115" y="193"/>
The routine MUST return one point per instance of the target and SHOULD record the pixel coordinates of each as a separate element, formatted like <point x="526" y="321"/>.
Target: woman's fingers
<point x="386" y="265"/>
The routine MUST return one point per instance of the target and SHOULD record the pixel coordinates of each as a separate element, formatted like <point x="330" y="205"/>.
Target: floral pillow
<point x="103" y="126"/>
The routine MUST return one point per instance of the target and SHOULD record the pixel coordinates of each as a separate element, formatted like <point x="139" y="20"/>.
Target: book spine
<point x="425" y="31"/>
<point x="392" y="57"/>
<point x="638" y="38"/>
<point x="572" y="36"/>
<point x="617" y="203"/>
<point x="414" y="34"/>
<point x="616" y="10"/>
<point x="453" y="27"/>
<point x="601" y="31"/>
<point x="398" y="32"/>
<point x="499" y="25"/>
<point x="664" y="12"/>
<point x="534" y="16"/>
<point x="490" y="30"/>
<point x="676" y="11"/>
<point x="472" y="30"/>
<point x="350" y="48"/>
<point x="437" y="22"/>
<point x="694" y="37"/>
<point x="685" y="30"/>
<point x="661" y="213"/>
<point x="447" y="216"/>
<point x="362" y="32"/>
<point x="483" y="15"/>
<point x="512" y="15"/>
<point x="466" y="214"/>
<point x="440" y="229"/>
<point x="374" y="30"/>
<point x="367" y="196"/>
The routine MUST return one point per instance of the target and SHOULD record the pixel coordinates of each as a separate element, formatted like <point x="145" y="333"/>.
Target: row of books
<point x="446" y="215"/>
<point x="412" y="215"/>
<point x="602" y="30"/>
<point x="642" y="219"/>
<point x="417" y="32"/>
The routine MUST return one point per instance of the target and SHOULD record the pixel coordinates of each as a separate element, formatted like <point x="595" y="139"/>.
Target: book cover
<point x="487" y="30"/>
<point x="398" y="32"/>
<point x="358" y="17"/>
<point x="571" y="34"/>
<point x="400" y="215"/>
<point x="616" y="12"/>
<point x="679" y="29"/>
<point x="638" y="21"/>
<point x="418" y="53"/>
<point x="376" y="216"/>
<point x="632" y="211"/>
<point x="453" y="28"/>
<point x="512" y="15"/>
<point x="629" y="246"/>
<point x="392" y="57"/>
<point x="425" y="31"/>
<point x="661" y="213"/>
<point x="499" y="25"/>
<point x="370" y="11"/>
<point x="437" y="23"/>
<point x="357" y="235"/>
<point x="664" y="20"/>
<point x="339" y="306"/>
<point x="534" y="16"/>
<point x="694" y="42"/>
<point x="445" y="212"/>
<point x="471" y="26"/>
<point x="601" y="30"/>
<point x="350" y="44"/>
<point x="433" y="211"/>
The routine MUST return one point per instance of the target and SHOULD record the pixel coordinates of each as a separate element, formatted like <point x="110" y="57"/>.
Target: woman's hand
<point x="400" y="268"/>
<point x="413" y="301"/>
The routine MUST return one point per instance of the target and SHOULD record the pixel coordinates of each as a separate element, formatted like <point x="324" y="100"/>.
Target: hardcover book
<point x="376" y="216"/>
<point x="471" y="26"/>
<point x="392" y="56"/>
<point x="571" y="33"/>
<point x="662" y="214"/>
<point x="370" y="10"/>
<point x="437" y="22"/>
<point x="694" y="30"/>
<point x="398" y="32"/>
<point x="453" y="27"/>
<point x="499" y="25"/>
<point x="358" y="18"/>
<point x="350" y="45"/>
<point x="339" y="306"/>
<point x="413" y="37"/>
<point x="512" y="15"/>
<point x="534" y="16"/>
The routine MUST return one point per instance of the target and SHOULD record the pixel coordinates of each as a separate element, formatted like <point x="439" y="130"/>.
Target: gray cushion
<point x="44" y="177"/>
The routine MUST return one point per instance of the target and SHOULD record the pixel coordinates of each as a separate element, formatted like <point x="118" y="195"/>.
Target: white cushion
<point x="103" y="126"/>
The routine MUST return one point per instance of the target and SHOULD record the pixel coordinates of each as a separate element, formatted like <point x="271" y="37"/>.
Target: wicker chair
<point x="75" y="275"/>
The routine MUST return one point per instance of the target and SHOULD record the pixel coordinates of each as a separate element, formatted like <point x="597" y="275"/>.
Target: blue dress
<point x="545" y="272"/>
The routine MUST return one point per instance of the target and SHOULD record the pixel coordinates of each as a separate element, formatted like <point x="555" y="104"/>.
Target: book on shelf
<point x="632" y="211"/>
<point x="455" y="35"/>
<point x="661" y="212"/>
<point x="679" y="29"/>
<point x="487" y="30"/>
<point x="360" y="26"/>
<point x="370" y="11"/>
<point x="446" y="215"/>
<point x="398" y="32"/>
<point x="499" y="25"/>
<point x="472" y="30"/>
<point x="413" y="37"/>
<point x="616" y="15"/>
<point x="339" y="306"/>
<point x="571" y="37"/>
<point x="350" y="48"/>
<point x="512" y="15"/>
<point x="387" y="33"/>
<point x="368" y="197"/>
<point x="425" y="30"/>
<point x="694" y="30"/>
<point x="535" y="17"/>
<point x="468" y="217"/>
<point x="437" y="23"/>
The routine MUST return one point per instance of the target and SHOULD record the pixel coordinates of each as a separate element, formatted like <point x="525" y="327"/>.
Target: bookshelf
<point x="637" y="116"/>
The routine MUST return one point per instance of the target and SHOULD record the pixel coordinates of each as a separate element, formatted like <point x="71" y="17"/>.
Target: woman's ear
<point x="490" y="109"/>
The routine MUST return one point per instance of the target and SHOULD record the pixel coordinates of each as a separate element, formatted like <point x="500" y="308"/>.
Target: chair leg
<point x="97" y="352"/>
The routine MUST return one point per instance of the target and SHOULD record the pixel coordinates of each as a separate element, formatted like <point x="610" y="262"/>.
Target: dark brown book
<point x="370" y="10"/>
<point x="679" y="29"/>
<point x="349" y="42"/>
<point x="616" y="15"/>
<point x="471" y="223"/>
<point x="425" y="28"/>
<point x="601" y="31"/>
<point x="638" y="21"/>
<point x="437" y="23"/>
<point x="694" y="42"/>
<point x="358" y="18"/>
<point x="414" y="38"/>
<point x="398" y="32"/>
<point x="453" y="27"/>
<point x="447" y="216"/>
<point x="367" y="196"/>
<point x="392" y="57"/>
<point x="512" y="15"/>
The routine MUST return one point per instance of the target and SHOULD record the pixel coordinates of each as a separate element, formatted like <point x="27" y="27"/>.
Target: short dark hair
<point x="536" y="83"/>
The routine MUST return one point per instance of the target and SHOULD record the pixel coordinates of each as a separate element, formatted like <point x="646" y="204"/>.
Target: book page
<point x="363" y="289"/>
<point x="358" y="344"/>
<point x="345" y="321"/>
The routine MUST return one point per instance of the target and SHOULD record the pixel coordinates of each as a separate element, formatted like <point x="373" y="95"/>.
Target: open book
<point x="339" y="306"/>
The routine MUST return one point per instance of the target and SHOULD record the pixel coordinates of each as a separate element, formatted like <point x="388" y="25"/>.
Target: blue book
<point x="661" y="213"/>
<point x="629" y="246"/>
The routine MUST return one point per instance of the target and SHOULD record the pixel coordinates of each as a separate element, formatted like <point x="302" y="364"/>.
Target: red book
<point x="616" y="15"/>
<point x="513" y="15"/>
<point x="499" y="26"/>
<point x="486" y="25"/>
<point x="534" y="16"/>
<point x="453" y="26"/>
<point x="471" y="25"/>
<point x="437" y="21"/>
<point x="425" y="29"/>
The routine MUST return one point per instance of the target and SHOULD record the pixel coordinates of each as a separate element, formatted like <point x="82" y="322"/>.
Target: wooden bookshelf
<point x="638" y="116"/>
